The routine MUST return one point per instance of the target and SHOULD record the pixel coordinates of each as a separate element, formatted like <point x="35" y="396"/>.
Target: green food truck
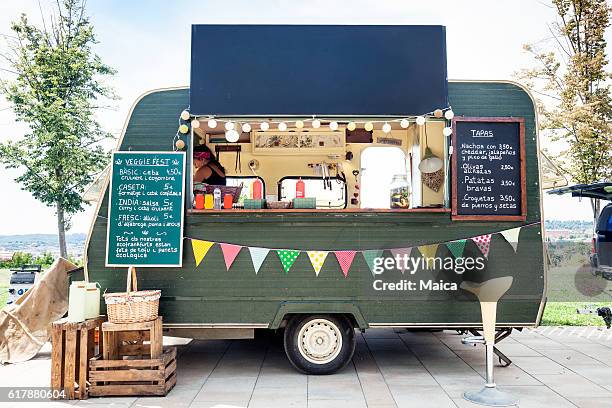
<point x="322" y="179"/>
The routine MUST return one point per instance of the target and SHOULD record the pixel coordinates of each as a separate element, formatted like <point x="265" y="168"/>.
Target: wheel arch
<point x="347" y="309"/>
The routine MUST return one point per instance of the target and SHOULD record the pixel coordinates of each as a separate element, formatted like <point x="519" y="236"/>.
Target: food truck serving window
<point x="327" y="192"/>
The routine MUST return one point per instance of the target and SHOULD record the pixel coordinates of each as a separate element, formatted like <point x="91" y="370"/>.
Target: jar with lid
<point x="400" y="191"/>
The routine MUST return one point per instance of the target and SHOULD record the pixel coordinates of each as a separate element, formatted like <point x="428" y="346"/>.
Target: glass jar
<point x="400" y="191"/>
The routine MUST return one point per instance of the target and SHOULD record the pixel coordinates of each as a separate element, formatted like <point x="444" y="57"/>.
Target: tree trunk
<point x="61" y="230"/>
<point x="596" y="207"/>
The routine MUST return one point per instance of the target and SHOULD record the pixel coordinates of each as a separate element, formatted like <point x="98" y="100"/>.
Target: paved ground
<point x="553" y="367"/>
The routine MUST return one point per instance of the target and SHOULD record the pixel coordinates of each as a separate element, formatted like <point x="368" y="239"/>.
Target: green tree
<point x="56" y="89"/>
<point x="573" y="88"/>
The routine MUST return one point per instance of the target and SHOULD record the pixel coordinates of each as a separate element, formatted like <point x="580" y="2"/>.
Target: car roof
<point x="601" y="190"/>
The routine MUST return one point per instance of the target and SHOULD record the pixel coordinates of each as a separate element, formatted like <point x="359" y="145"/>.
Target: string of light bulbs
<point x="232" y="135"/>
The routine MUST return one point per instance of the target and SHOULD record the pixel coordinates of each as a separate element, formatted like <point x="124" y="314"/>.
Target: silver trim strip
<point x="216" y="325"/>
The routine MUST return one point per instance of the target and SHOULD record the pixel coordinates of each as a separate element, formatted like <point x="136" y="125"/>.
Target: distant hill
<point x="39" y="243"/>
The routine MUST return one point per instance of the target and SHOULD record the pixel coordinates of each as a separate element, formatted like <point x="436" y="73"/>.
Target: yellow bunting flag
<point x="429" y="253"/>
<point x="200" y="249"/>
<point x="317" y="259"/>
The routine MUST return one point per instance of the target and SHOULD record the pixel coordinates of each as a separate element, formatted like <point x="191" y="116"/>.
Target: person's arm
<point x="202" y="174"/>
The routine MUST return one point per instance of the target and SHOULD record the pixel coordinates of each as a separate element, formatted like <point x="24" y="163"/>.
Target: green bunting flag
<point x="456" y="247"/>
<point x="369" y="257"/>
<point x="287" y="258"/>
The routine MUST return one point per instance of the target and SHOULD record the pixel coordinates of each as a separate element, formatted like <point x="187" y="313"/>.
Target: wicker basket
<point x="278" y="205"/>
<point x="132" y="306"/>
<point x="210" y="189"/>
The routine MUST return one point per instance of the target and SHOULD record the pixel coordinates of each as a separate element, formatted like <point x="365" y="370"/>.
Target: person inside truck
<point x="207" y="168"/>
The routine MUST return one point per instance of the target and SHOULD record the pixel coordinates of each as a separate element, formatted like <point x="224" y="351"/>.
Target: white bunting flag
<point x="512" y="236"/>
<point x="258" y="256"/>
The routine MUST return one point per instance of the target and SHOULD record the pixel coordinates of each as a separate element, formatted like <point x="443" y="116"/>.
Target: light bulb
<point x="386" y="128"/>
<point x="195" y="123"/>
<point x="420" y="120"/>
<point x="185" y="115"/>
<point x="183" y="129"/>
<point x="449" y="114"/>
<point x="404" y="123"/>
<point x="316" y="123"/>
<point x="180" y="144"/>
<point x="212" y="123"/>
<point x="232" y="136"/>
<point x="438" y="113"/>
<point x="282" y="126"/>
<point x="229" y="125"/>
<point x="351" y="126"/>
<point x="299" y="124"/>
<point x="246" y="128"/>
<point x="369" y="126"/>
<point x="447" y="131"/>
<point x="264" y="126"/>
<point x="333" y="125"/>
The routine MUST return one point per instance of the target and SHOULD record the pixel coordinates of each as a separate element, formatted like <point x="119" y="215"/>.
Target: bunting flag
<point x="258" y="256"/>
<point x="200" y="249"/>
<point x="230" y="252"/>
<point x="401" y="252"/>
<point x="429" y="252"/>
<point x="317" y="259"/>
<point x="287" y="257"/>
<point x="345" y="258"/>
<point x="483" y="243"/>
<point x="512" y="236"/>
<point x="456" y="247"/>
<point x="369" y="257"/>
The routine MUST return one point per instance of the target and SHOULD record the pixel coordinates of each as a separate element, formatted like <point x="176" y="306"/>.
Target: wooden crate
<point x="143" y="339"/>
<point x="156" y="376"/>
<point x="72" y="345"/>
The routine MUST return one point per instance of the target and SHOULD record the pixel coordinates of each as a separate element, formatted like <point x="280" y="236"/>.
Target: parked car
<point x="601" y="254"/>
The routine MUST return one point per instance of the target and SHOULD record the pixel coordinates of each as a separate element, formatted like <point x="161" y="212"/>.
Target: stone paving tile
<point x="539" y="365"/>
<point x="391" y="368"/>
<point x="343" y="386"/>
<point x="372" y="379"/>
<point x="421" y="396"/>
<point x="574" y="387"/>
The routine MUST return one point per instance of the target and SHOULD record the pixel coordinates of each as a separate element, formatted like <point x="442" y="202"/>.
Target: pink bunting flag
<point x="230" y="252"/>
<point x="483" y="243"/>
<point x="402" y="253"/>
<point x="345" y="258"/>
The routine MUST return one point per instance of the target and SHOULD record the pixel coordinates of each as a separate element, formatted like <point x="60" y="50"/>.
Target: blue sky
<point x="148" y="43"/>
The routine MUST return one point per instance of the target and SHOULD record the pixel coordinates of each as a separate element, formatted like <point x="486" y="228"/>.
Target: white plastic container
<point x="76" y="301"/>
<point x="92" y="300"/>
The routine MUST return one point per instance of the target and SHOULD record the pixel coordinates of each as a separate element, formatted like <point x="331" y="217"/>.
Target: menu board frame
<point x="455" y="215"/>
<point x="110" y="206"/>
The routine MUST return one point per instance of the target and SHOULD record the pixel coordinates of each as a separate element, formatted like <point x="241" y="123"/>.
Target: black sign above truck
<point x="488" y="165"/>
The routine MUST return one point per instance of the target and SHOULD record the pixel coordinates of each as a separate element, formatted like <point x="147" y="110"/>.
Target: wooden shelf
<point x="325" y="211"/>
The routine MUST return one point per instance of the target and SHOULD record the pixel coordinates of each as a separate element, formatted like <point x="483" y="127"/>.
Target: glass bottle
<point x="400" y="191"/>
<point x="217" y="198"/>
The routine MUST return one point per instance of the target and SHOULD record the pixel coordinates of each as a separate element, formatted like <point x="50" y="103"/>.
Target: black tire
<point x="337" y="337"/>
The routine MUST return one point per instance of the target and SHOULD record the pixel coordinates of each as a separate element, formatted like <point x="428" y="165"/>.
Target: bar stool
<point x="488" y="294"/>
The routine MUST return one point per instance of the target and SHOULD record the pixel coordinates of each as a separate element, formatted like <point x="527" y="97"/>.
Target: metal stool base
<point x="491" y="396"/>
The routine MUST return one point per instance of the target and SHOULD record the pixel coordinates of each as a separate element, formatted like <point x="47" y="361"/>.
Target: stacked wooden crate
<point x="133" y="361"/>
<point x="72" y="346"/>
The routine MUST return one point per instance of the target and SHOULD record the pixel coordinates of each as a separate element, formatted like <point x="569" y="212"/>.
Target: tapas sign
<point x="488" y="166"/>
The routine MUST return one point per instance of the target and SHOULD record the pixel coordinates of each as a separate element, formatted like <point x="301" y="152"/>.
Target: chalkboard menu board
<point x="488" y="169"/>
<point x="145" y="209"/>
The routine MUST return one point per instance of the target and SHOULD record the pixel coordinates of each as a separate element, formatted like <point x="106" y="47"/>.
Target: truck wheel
<point x="319" y="344"/>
